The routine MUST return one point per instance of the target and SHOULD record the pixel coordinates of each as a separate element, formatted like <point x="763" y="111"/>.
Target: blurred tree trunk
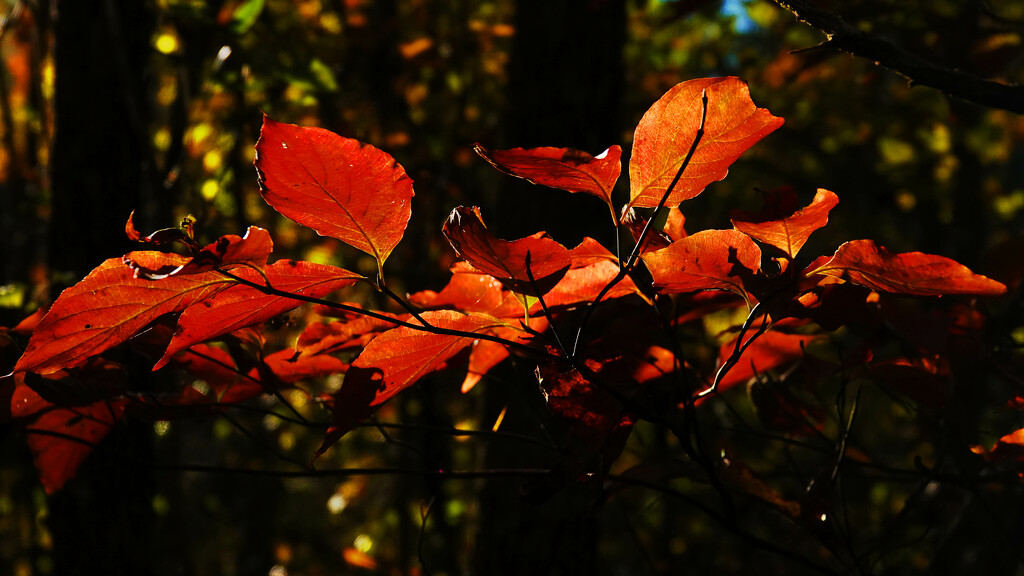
<point x="102" y="521"/>
<point x="565" y="89"/>
<point x="100" y="166"/>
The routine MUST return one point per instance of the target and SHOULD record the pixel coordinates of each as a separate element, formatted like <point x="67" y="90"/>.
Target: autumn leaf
<point x="396" y="360"/>
<point x="337" y="186"/>
<point x="770" y="351"/>
<point x="562" y="168"/>
<point x="109" y="306"/>
<point x="240" y="305"/>
<point x="350" y="333"/>
<point x="57" y="458"/>
<point x="468" y="289"/>
<point x="867" y="264"/>
<point x="593" y="267"/>
<point x="227" y="252"/>
<point x="707" y="260"/>
<point x="779" y="224"/>
<point x="506" y="260"/>
<point x="667" y="131"/>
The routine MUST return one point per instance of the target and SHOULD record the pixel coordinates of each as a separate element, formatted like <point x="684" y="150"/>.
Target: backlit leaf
<point x="337" y="186"/>
<point x="667" y="131"/>
<point x="227" y="252"/>
<point x="867" y="264"/>
<point x="707" y="260"/>
<point x="778" y="225"/>
<point x="109" y="306"/>
<point x="396" y="360"/>
<point x="239" y="305"/>
<point x="506" y="260"/>
<point x="562" y="168"/>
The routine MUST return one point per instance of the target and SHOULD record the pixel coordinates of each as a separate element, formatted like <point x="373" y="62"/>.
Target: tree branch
<point x="843" y="36"/>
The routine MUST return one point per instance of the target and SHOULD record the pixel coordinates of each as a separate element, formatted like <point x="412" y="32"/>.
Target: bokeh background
<point x="155" y="106"/>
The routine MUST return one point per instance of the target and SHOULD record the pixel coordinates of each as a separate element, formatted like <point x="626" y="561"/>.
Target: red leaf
<point x="469" y="290"/>
<point x="227" y="252"/>
<point x="396" y="360"/>
<point x="863" y="262"/>
<point x="57" y="458"/>
<point x="770" y="351"/>
<point x="337" y="186"/>
<point x="707" y="260"/>
<point x="239" y="306"/>
<point x="656" y="239"/>
<point x="562" y="168"/>
<point x="110" y="306"/>
<point x="593" y="266"/>
<point x="506" y="260"/>
<point x="348" y="334"/>
<point x="778" y="225"/>
<point x="675" y="224"/>
<point x="666" y="133"/>
<point x="1009" y="447"/>
<point x="485" y="354"/>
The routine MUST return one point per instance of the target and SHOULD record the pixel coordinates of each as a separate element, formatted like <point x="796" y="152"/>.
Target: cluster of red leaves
<point x="605" y="351"/>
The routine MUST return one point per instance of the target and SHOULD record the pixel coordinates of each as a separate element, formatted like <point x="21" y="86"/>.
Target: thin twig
<point x="625" y="269"/>
<point x="845" y="37"/>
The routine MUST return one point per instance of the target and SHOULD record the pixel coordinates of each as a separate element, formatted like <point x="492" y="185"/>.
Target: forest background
<point x="109" y="107"/>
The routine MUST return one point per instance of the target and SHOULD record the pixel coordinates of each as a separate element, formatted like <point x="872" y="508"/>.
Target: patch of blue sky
<point x="741" y="21"/>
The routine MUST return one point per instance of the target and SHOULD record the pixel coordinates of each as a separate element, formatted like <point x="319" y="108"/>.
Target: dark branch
<point x="843" y="36"/>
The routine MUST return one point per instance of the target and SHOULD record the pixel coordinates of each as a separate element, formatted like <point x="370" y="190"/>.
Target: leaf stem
<point x="426" y="327"/>
<point x="625" y="269"/>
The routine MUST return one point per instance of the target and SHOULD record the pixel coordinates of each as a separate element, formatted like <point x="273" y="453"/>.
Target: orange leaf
<point x="771" y="350"/>
<point x="667" y="131"/>
<point x="396" y="360"/>
<point x="778" y="225"/>
<point x="867" y="264"/>
<point x="228" y="251"/>
<point x="562" y="168"/>
<point x="239" y="306"/>
<point x="506" y="260"/>
<point x="110" y="306"/>
<point x="337" y="186"/>
<point x="707" y="260"/>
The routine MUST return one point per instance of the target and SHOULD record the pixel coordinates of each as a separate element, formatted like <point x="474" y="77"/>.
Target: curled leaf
<point x="227" y="252"/>
<point x="867" y="264"/>
<point x="562" y="168"/>
<point x="779" y="224"/>
<point x="507" y="261"/>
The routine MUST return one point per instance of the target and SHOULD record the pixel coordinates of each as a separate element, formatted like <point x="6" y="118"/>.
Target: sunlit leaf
<point x="867" y="264"/>
<point x="707" y="260"/>
<point x="667" y="131"/>
<point x="562" y="168"/>
<point x="227" y="252"/>
<point x="506" y="260"/>
<point x="396" y="360"/>
<point x="337" y="186"/>
<point x="239" y="306"/>
<point x="110" y="306"/>
<point x="779" y="224"/>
